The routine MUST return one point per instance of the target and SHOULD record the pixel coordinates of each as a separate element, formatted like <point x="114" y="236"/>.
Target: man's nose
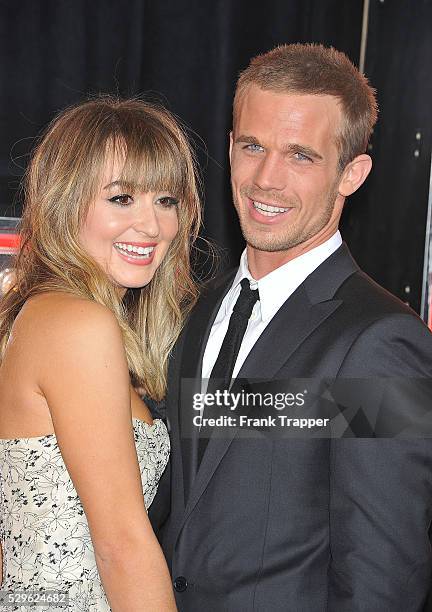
<point x="269" y="173"/>
<point x="146" y="220"/>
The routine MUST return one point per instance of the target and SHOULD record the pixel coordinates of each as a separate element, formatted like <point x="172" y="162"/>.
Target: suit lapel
<point x="196" y="336"/>
<point x="302" y="313"/>
<point x="292" y="324"/>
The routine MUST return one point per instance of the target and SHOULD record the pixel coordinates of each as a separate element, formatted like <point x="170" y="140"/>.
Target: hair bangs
<point x="152" y="161"/>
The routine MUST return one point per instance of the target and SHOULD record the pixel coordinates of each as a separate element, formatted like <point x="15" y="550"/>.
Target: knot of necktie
<point x="246" y="300"/>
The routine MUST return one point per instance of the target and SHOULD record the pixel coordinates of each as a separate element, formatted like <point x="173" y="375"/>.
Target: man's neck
<point x="261" y="263"/>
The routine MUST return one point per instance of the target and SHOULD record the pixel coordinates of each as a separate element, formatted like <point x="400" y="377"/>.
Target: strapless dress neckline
<point x="136" y="420"/>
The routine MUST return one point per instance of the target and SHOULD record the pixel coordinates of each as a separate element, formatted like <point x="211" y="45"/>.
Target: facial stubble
<point x="270" y="241"/>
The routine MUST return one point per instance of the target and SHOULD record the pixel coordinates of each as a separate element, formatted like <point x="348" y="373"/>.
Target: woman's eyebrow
<point x="113" y="184"/>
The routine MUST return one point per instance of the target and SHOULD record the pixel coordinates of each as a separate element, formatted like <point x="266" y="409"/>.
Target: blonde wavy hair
<point x="62" y="181"/>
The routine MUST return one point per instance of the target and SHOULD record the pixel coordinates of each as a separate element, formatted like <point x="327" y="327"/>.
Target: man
<point x="266" y="524"/>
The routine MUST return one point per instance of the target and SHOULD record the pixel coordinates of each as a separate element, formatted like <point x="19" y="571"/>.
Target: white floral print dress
<point x="43" y="529"/>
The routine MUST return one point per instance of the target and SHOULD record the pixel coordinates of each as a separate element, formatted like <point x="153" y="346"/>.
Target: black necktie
<point x="221" y="374"/>
<point x="224" y="365"/>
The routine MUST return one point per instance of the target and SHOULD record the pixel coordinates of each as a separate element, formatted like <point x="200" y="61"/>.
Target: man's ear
<point x="230" y="145"/>
<point x="355" y="175"/>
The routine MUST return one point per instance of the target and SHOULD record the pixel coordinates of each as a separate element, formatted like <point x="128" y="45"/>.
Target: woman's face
<point x="128" y="234"/>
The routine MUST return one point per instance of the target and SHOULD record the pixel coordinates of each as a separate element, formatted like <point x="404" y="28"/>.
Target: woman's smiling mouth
<point x="136" y="253"/>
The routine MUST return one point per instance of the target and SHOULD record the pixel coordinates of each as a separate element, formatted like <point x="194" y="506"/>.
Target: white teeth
<point x="139" y="252"/>
<point x="267" y="210"/>
<point x="268" y="214"/>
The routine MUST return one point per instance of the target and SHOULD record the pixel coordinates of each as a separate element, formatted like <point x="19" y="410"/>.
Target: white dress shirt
<point x="274" y="289"/>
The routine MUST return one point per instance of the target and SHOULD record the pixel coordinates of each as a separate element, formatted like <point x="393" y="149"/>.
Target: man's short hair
<point x="317" y="70"/>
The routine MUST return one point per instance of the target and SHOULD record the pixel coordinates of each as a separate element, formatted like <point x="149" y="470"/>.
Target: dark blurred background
<point x="187" y="55"/>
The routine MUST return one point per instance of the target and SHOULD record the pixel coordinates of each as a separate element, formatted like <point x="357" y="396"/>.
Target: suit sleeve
<point x="160" y="508"/>
<point x="381" y="489"/>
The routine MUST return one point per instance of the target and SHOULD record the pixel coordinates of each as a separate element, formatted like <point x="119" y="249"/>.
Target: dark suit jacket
<point x="297" y="525"/>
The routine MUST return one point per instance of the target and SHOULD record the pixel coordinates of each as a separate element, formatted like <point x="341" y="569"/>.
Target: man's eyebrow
<point x="246" y="139"/>
<point x="303" y="149"/>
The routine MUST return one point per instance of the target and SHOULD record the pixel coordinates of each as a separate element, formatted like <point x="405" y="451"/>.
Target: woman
<point x="102" y="287"/>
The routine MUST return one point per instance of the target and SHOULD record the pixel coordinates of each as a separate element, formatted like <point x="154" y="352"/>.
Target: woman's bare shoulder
<point x="59" y="303"/>
<point x="62" y="314"/>
<point x="55" y="328"/>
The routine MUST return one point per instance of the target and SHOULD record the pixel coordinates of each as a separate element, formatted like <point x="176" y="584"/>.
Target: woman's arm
<point x="83" y="374"/>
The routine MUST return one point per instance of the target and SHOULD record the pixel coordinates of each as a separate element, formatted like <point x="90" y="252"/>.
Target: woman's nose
<point x="146" y="220"/>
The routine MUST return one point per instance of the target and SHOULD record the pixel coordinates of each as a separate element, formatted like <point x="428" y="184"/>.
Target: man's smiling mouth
<point x="268" y="210"/>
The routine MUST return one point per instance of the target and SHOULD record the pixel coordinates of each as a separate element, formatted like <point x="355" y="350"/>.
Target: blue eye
<point x="122" y="200"/>
<point x="301" y="156"/>
<point x="253" y="147"/>
<point x="167" y="201"/>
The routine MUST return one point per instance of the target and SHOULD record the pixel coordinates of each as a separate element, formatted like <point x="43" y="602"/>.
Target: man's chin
<point x="259" y="243"/>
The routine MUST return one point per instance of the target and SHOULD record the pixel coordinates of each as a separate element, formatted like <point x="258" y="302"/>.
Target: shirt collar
<point x="275" y="288"/>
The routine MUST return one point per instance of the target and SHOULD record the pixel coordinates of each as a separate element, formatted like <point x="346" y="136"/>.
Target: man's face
<point x="284" y="170"/>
